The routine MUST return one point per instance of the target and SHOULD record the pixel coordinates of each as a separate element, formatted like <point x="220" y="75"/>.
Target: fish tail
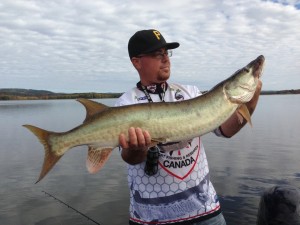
<point x="50" y="157"/>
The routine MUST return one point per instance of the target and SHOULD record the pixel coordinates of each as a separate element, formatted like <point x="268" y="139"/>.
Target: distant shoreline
<point x="282" y="92"/>
<point x="30" y="94"/>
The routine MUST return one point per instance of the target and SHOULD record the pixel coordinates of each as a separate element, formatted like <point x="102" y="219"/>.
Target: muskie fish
<point x="165" y="121"/>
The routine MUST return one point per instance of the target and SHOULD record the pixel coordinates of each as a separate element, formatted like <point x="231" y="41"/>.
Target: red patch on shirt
<point x="182" y="162"/>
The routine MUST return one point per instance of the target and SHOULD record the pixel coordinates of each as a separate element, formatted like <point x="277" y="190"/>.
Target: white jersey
<point x="181" y="190"/>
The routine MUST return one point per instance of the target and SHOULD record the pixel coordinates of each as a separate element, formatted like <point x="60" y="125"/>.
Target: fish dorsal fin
<point x="97" y="157"/>
<point x="243" y="112"/>
<point x="92" y="107"/>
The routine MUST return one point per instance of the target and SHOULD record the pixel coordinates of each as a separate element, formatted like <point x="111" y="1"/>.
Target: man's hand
<point x="134" y="150"/>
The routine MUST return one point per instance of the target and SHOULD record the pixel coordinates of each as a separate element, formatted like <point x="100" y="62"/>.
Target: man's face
<point x="153" y="67"/>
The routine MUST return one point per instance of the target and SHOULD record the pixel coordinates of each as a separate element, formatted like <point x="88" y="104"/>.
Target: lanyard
<point x="151" y="166"/>
<point x="159" y="89"/>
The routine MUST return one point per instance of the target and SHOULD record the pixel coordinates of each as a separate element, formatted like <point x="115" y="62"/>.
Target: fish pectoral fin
<point x="155" y="141"/>
<point x="243" y="113"/>
<point x="97" y="157"/>
<point x="92" y="107"/>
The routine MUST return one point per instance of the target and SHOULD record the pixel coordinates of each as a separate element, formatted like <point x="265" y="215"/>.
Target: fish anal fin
<point x="50" y="158"/>
<point x="92" y="107"/>
<point x="97" y="157"/>
<point x="243" y="113"/>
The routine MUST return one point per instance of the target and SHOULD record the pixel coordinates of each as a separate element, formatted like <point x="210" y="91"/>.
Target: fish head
<point x="241" y="86"/>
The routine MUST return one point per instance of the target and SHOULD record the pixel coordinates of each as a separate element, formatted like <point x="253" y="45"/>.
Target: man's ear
<point x="136" y="63"/>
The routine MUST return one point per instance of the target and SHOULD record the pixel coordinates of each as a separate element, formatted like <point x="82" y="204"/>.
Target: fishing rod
<point x="60" y="201"/>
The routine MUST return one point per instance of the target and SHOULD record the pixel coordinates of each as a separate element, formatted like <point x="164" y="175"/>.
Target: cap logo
<point x="157" y="34"/>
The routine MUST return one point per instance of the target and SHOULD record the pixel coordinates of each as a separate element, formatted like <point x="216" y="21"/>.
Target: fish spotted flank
<point x="102" y="126"/>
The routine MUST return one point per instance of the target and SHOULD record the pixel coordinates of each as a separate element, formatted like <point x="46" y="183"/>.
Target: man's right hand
<point x="134" y="149"/>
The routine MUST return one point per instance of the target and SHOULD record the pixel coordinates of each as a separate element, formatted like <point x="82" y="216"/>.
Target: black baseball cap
<point x="146" y="41"/>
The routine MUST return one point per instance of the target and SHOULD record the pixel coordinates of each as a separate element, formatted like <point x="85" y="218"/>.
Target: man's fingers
<point x="122" y="141"/>
<point x="137" y="139"/>
<point x="147" y="137"/>
<point x="133" y="140"/>
<point x="140" y="137"/>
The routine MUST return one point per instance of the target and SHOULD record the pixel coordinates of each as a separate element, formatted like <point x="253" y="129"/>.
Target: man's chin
<point x="163" y="78"/>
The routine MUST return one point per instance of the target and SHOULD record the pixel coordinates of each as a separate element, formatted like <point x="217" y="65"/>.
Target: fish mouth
<point x="258" y="66"/>
<point x="255" y="67"/>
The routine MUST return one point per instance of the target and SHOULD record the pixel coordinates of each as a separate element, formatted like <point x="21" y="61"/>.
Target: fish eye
<point x="246" y="69"/>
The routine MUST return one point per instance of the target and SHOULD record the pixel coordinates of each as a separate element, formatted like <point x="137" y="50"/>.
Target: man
<point x="171" y="186"/>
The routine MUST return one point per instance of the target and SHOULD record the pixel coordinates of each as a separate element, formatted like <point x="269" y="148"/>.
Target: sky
<point x="81" y="46"/>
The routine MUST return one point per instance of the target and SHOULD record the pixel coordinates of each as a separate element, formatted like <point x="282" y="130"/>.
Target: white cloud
<point x="82" y="45"/>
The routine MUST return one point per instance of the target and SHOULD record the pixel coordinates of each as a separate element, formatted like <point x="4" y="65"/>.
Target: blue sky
<point x="81" y="46"/>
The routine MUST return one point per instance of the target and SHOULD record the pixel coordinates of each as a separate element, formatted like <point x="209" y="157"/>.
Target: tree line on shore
<point x="29" y="94"/>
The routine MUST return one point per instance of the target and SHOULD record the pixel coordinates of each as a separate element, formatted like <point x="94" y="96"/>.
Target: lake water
<point x="241" y="167"/>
